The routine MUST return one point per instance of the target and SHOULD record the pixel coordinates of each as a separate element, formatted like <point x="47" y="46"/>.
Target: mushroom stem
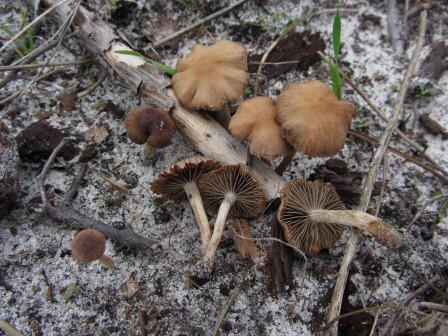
<point x="282" y="166"/>
<point x="106" y="261"/>
<point x="224" y="208"/>
<point x="250" y="157"/>
<point x="194" y="196"/>
<point x="223" y="116"/>
<point x="361" y="220"/>
<point x="150" y="151"/>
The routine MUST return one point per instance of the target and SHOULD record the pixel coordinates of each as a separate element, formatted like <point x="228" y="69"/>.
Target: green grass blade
<point x="160" y="66"/>
<point x="336" y="80"/>
<point x="337" y="35"/>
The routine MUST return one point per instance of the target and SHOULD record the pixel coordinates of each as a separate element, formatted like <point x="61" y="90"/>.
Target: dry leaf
<point x="245" y="247"/>
<point x="97" y="135"/>
<point x="130" y="287"/>
<point x="68" y="99"/>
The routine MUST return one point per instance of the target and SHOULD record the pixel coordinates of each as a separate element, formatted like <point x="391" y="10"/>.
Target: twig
<point x="32" y="23"/>
<point x="286" y="31"/>
<point x="425" y="165"/>
<point x="95" y="84"/>
<point x="9" y="329"/>
<point x="336" y="300"/>
<point x="16" y="94"/>
<point x="428" y="202"/>
<point x="394" y="27"/>
<point x="198" y="23"/>
<point x="375" y="321"/>
<point x="411" y="296"/>
<point x="126" y="237"/>
<point x="229" y="303"/>
<point x="114" y="183"/>
<point x="73" y="190"/>
<point x="383" y="184"/>
<point x="434" y="306"/>
<point x="40" y="65"/>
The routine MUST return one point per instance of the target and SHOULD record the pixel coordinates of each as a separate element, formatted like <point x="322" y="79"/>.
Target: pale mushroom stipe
<point x="229" y="191"/>
<point x="180" y="181"/>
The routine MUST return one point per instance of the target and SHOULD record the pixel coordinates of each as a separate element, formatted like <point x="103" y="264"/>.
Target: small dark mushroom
<point x="229" y="191"/>
<point x="89" y="245"/>
<point x="150" y="126"/>
<point x="180" y="181"/>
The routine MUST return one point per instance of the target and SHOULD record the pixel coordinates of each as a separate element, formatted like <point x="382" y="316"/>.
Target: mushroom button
<point x="255" y="122"/>
<point x="229" y="191"/>
<point x="312" y="118"/>
<point x="89" y="245"/>
<point x="152" y="126"/>
<point x="180" y="180"/>
<point x="313" y="216"/>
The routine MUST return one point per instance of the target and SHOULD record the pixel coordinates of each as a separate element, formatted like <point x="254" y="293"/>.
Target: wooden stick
<point x="336" y="300"/>
<point x="435" y="306"/>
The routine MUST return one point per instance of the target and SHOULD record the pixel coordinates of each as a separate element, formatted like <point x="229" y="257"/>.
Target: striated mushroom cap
<point x="255" y="121"/>
<point x="170" y="183"/>
<point x="88" y="245"/>
<point x="211" y="76"/>
<point x="236" y="179"/>
<point x="151" y="125"/>
<point x="298" y="197"/>
<point x="312" y="118"/>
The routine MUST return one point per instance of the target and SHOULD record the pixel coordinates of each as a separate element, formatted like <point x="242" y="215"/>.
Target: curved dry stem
<point x="106" y="261"/>
<point x="360" y="220"/>
<point x="194" y="197"/>
<point x="224" y="208"/>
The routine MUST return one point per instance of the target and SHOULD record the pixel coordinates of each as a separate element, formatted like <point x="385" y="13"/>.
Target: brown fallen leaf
<point x="245" y="247"/>
<point x="68" y="99"/>
<point x="96" y="135"/>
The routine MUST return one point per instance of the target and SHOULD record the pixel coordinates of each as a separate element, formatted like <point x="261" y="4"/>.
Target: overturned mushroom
<point x="255" y="122"/>
<point x="211" y="76"/>
<point x="313" y="216"/>
<point x="312" y="118"/>
<point x="150" y="126"/>
<point x="89" y="245"/>
<point x="180" y="181"/>
<point x="229" y="191"/>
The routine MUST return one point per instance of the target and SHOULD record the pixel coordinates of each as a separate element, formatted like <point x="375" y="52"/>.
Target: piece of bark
<point x="9" y="168"/>
<point x="204" y="133"/>
<point x="245" y="247"/>
<point x="432" y="126"/>
<point x="38" y="141"/>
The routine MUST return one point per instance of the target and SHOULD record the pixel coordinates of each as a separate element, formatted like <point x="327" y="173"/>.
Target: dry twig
<point x="428" y="202"/>
<point x="338" y="292"/>
<point x="434" y="306"/>
<point x="198" y="23"/>
<point x="9" y="329"/>
<point x="126" y="237"/>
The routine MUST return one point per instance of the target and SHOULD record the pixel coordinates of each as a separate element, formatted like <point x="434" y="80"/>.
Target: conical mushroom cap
<point x="255" y="121"/>
<point x="88" y="245"/>
<point x="237" y="179"/>
<point x="297" y="199"/>
<point x="211" y="76"/>
<point x="170" y="183"/>
<point x="312" y="118"/>
<point x="151" y="125"/>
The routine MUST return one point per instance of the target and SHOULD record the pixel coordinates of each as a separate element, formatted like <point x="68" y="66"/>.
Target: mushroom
<point x="212" y="76"/>
<point x="89" y="245"/>
<point x="312" y="216"/>
<point x="229" y="191"/>
<point x="180" y="181"/>
<point x="312" y="118"/>
<point x="152" y="126"/>
<point x="254" y="121"/>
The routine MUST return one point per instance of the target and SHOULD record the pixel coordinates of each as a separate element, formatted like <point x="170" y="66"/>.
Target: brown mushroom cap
<point x="255" y="121"/>
<point x="236" y="179"/>
<point x="211" y="76"/>
<point x="151" y="125"/>
<point x="312" y="118"/>
<point x="88" y="245"/>
<point x="170" y="183"/>
<point x="298" y="198"/>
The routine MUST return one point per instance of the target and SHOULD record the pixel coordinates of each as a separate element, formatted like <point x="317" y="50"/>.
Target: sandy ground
<point x="35" y="252"/>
